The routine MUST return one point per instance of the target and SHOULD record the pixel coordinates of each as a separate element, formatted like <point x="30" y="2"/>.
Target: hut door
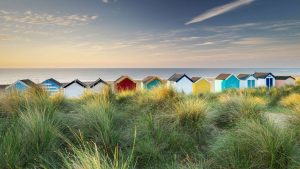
<point x="269" y="82"/>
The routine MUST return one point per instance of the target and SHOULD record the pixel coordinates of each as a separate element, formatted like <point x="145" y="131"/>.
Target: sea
<point x="65" y="75"/>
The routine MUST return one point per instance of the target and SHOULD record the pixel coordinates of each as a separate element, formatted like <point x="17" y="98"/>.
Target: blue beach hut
<point x="52" y="85"/>
<point x="21" y="85"/>
<point x="151" y="82"/>
<point x="226" y="81"/>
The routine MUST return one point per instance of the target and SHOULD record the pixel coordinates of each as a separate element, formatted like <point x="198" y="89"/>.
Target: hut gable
<point x="21" y="85"/>
<point x="74" y="89"/>
<point x="282" y="81"/>
<point x="77" y="82"/>
<point x="181" y="83"/>
<point x="223" y="76"/>
<point x="177" y="77"/>
<point x="151" y="82"/>
<point x="98" y="85"/>
<point x="201" y="85"/>
<point x="98" y="81"/>
<point x="125" y="83"/>
<point x="52" y="85"/>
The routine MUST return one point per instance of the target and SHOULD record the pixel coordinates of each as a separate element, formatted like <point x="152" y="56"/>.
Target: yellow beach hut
<point x="201" y="85"/>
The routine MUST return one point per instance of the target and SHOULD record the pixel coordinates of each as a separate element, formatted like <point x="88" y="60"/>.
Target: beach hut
<point x="74" y="89"/>
<point x="247" y="81"/>
<point x="98" y="85"/>
<point x="151" y="82"/>
<point x="226" y="81"/>
<point x="284" y="81"/>
<point x="21" y="85"/>
<point x="125" y="83"/>
<point x="201" y="85"/>
<point x="264" y="79"/>
<point x="52" y="85"/>
<point x="181" y="83"/>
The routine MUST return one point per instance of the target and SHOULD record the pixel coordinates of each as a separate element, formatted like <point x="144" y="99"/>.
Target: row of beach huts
<point x="180" y="82"/>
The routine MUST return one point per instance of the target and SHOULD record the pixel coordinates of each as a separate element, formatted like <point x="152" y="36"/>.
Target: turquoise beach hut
<point x="151" y="82"/>
<point x="226" y="81"/>
<point x="21" y="85"/>
<point x="52" y="86"/>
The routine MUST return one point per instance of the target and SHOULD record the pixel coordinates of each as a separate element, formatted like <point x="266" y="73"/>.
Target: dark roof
<point x="97" y="82"/>
<point x="195" y="79"/>
<point x="243" y="76"/>
<point x="149" y="79"/>
<point x="284" y="77"/>
<point x="177" y="76"/>
<point x="122" y="78"/>
<point x="262" y="75"/>
<point x="28" y="82"/>
<point x="54" y="81"/>
<point x="76" y="81"/>
<point x="223" y="76"/>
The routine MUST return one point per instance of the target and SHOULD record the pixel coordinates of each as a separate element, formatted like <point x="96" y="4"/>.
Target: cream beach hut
<point x="282" y="81"/>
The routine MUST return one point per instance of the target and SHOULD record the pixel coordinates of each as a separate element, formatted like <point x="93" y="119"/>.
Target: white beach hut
<point x="98" y="86"/>
<point x="74" y="89"/>
<point x="264" y="79"/>
<point x="247" y="81"/>
<point x="181" y="83"/>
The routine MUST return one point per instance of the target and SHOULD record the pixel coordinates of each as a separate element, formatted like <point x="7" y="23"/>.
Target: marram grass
<point x="226" y="130"/>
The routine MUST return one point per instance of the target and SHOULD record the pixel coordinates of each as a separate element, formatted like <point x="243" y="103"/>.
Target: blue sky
<point x="149" y="33"/>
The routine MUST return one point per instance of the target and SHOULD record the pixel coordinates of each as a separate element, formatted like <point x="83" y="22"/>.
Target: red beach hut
<point x="124" y="83"/>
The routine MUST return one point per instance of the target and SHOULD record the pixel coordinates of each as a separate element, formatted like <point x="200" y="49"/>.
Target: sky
<point x="149" y="33"/>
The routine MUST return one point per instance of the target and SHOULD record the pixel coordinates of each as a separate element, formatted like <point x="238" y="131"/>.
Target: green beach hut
<point x="226" y="81"/>
<point x="151" y="82"/>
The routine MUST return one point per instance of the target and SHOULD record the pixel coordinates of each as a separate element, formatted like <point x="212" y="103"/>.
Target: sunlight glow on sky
<point x="149" y="33"/>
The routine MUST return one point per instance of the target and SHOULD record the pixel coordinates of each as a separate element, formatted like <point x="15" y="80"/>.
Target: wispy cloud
<point x="30" y="17"/>
<point x="254" y="41"/>
<point x="219" y="10"/>
<point x="6" y="37"/>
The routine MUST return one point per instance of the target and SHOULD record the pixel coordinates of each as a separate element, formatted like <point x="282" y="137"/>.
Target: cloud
<point x="205" y="43"/>
<point x="30" y="17"/>
<point x="6" y="37"/>
<point x="105" y="1"/>
<point x="219" y="10"/>
<point x="254" y="41"/>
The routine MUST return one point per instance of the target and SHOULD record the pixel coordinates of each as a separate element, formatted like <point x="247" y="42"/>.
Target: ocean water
<point x="8" y="76"/>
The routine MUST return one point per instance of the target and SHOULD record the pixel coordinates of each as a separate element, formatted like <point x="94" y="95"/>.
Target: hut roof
<point x="195" y="79"/>
<point x="54" y="81"/>
<point x="284" y="77"/>
<point x="177" y="77"/>
<point x="262" y="75"/>
<point x="242" y="76"/>
<point x="223" y="76"/>
<point x="97" y="82"/>
<point x="76" y="81"/>
<point x="149" y="79"/>
<point x="122" y="78"/>
<point x="28" y="82"/>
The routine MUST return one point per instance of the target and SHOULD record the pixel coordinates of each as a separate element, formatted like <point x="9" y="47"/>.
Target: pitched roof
<point x="54" y="81"/>
<point x="177" y="76"/>
<point x="195" y="79"/>
<point x="223" y="76"/>
<point x="242" y="76"/>
<point x="262" y="75"/>
<point x="122" y="78"/>
<point x="28" y="82"/>
<point x="149" y="79"/>
<point x="76" y="81"/>
<point x="284" y="77"/>
<point x="97" y="82"/>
